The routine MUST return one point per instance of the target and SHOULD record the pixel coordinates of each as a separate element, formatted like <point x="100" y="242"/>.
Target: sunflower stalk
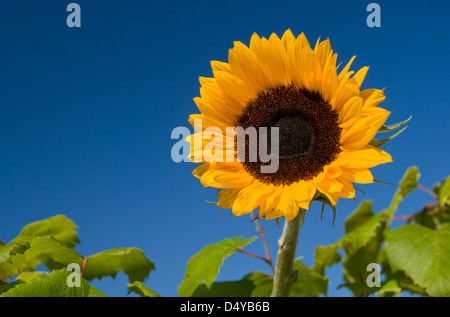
<point x="285" y="275"/>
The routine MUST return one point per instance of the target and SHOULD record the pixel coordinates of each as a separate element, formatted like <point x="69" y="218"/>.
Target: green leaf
<point x="8" y="250"/>
<point x="427" y="217"/>
<point x="7" y="286"/>
<point x="262" y="282"/>
<point x="359" y="289"/>
<point x="108" y="263"/>
<point x="423" y="254"/>
<point x="242" y="288"/>
<point x="51" y="253"/>
<point x="362" y="246"/>
<point x="141" y="289"/>
<point x="17" y="265"/>
<point x="378" y="143"/>
<point x="309" y="282"/>
<point x="408" y="285"/>
<point x="444" y="193"/>
<point x="355" y="268"/>
<point x="397" y="278"/>
<point x="58" y="227"/>
<point x="362" y="243"/>
<point x="389" y="289"/>
<point x="362" y="213"/>
<point x="29" y="276"/>
<point x="389" y="128"/>
<point x="325" y="256"/>
<point x="204" y="266"/>
<point x="94" y="292"/>
<point x="406" y="185"/>
<point x="361" y="235"/>
<point x="43" y="249"/>
<point x="51" y="285"/>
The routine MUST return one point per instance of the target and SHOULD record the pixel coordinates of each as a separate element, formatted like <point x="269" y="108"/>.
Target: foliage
<point x="51" y="242"/>
<point x="204" y="266"/>
<point x="414" y="257"/>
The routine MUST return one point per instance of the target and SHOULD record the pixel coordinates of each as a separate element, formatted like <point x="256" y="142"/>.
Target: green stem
<point x="285" y="275"/>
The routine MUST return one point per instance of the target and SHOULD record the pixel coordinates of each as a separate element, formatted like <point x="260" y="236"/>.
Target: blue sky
<point x="87" y="114"/>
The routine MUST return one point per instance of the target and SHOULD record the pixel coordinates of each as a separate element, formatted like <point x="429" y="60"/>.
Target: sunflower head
<point x="324" y="124"/>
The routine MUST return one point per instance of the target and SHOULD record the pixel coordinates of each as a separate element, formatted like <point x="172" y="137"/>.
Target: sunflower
<point x="325" y="123"/>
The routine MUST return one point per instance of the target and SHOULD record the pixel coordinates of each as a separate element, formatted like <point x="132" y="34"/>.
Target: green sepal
<point x="325" y="201"/>
<point x="378" y="143"/>
<point x="393" y="127"/>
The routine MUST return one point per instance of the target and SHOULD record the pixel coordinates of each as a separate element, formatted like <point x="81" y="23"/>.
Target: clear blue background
<point x="86" y="116"/>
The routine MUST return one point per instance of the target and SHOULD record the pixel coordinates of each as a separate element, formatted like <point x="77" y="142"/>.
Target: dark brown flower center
<point x="295" y="135"/>
<point x="309" y="133"/>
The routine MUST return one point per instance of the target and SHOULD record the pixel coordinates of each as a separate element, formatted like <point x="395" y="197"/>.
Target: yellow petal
<point x="227" y="198"/>
<point x="363" y="131"/>
<point x="372" y="97"/>
<point x="250" y="197"/>
<point x="303" y="191"/>
<point x="345" y="70"/>
<point x="351" y="109"/>
<point x="271" y="62"/>
<point x="230" y="177"/>
<point x="344" y="92"/>
<point x="200" y="170"/>
<point x="234" y="89"/>
<point x="367" y="157"/>
<point x="329" y="78"/>
<point x="220" y="67"/>
<point x="323" y="188"/>
<point x="288" y="38"/>
<point x="360" y="75"/>
<point x="206" y="81"/>
<point x="323" y="51"/>
<point x="361" y="176"/>
<point x="347" y="191"/>
<point x="330" y="185"/>
<point x="255" y="43"/>
<point x="244" y="64"/>
<point x="302" y="42"/>
<point x="267" y="206"/>
<point x="207" y="122"/>
<point x="287" y="205"/>
<point x="309" y="70"/>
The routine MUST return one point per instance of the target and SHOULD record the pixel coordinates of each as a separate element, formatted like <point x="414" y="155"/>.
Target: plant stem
<point x="285" y="275"/>
<point x="263" y="237"/>
<point x="431" y="193"/>
<point x="254" y="255"/>
<point x="84" y="265"/>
